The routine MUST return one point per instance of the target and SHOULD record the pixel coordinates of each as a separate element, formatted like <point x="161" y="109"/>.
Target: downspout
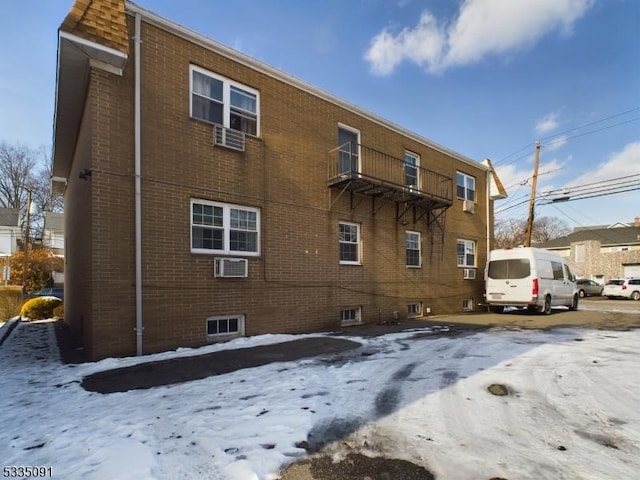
<point x="488" y="213"/>
<point x="138" y="188"/>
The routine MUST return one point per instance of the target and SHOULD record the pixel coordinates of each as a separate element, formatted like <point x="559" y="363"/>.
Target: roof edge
<point x="273" y="72"/>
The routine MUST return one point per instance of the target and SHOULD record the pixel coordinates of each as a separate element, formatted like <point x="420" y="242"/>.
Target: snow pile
<point x="571" y="410"/>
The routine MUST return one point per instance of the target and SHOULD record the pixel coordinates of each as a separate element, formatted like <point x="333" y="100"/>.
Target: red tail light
<point x="624" y="287"/>
<point x="534" y="290"/>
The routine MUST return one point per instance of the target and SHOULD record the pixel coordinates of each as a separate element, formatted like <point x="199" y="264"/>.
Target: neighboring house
<point x="53" y="237"/>
<point x="9" y="231"/>
<point x="600" y="253"/>
<point x="208" y="195"/>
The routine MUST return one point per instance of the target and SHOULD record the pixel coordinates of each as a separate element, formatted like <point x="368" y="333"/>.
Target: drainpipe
<point x="488" y="212"/>
<point x="138" y="189"/>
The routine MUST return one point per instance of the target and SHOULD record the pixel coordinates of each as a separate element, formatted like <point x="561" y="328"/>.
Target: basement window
<point x="226" y="325"/>
<point x="350" y="316"/>
<point x="414" y="309"/>
<point x="467" y="305"/>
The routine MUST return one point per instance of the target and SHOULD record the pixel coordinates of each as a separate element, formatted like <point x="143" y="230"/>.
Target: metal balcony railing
<point x="367" y="171"/>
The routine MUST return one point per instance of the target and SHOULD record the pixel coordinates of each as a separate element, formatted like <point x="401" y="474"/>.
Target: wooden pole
<point x="532" y="199"/>
<point x="26" y="243"/>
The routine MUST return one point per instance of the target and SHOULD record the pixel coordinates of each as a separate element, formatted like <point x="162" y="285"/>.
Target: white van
<point x="529" y="277"/>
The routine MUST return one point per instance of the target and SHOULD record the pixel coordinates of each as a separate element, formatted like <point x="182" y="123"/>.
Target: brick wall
<point x="297" y="283"/>
<point x="600" y="261"/>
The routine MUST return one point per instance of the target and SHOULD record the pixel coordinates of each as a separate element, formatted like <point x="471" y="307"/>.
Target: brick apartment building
<point x="208" y="195"/>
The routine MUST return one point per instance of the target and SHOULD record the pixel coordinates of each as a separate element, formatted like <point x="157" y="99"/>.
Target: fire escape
<point x="363" y="172"/>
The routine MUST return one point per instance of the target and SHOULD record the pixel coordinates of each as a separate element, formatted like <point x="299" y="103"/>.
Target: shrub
<point x="58" y="312"/>
<point x="39" y="308"/>
<point x="10" y="301"/>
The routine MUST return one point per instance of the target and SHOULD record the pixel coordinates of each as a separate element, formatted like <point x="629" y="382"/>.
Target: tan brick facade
<point x="296" y="283"/>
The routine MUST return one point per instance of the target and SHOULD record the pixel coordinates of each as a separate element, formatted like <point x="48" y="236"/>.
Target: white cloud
<point x="556" y="143"/>
<point x="547" y="124"/>
<point x="482" y="28"/>
<point x="623" y="163"/>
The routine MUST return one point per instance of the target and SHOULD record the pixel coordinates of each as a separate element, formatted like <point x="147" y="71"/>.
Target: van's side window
<point x="557" y="270"/>
<point x="567" y="274"/>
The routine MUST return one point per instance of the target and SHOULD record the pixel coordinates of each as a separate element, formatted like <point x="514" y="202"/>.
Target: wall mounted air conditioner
<point x="231" y="268"/>
<point x="468" y="206"/>
<point x="469" y="274"/>
<point x="226" y="137"/>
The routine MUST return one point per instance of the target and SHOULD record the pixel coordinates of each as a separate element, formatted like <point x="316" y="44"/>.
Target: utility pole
<point x="26" y="242"/>
<point x="532" y="199"/>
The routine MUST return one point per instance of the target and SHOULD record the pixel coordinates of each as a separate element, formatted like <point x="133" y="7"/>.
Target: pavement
<point x="333" y="345"/>
<point x="183" y="369"/>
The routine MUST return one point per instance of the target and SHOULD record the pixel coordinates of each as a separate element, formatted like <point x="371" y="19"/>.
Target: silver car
<point x="588" y="288"/>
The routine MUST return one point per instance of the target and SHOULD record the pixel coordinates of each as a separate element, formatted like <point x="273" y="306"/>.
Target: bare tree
<point x="17" y="163"/>
<point x="509" y="232"/>
<point x="25" y="172"/>
<point x="548" y="228"/>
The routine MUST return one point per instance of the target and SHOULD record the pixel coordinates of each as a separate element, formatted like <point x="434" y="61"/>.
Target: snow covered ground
<point x="572" y="411"/>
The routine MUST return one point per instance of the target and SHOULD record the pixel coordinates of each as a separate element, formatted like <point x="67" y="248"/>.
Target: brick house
<point x="208" y="195"/>
<point x="601" y="252"/>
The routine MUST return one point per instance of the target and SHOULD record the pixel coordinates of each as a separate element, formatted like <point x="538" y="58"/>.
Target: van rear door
<point x="509" y="281"/>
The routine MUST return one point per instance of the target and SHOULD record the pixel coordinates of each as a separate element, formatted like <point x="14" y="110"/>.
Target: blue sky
<point x="485" y="78"/>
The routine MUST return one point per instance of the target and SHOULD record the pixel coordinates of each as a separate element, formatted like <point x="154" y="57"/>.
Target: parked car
<point x="529" y="278"/>
<point x="588" y="288"/>
<point x="47" y="292"/>
<point x="621" y="288"/>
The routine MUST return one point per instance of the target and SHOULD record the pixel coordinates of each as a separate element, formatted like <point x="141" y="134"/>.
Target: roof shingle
<point x="100" y="21"/>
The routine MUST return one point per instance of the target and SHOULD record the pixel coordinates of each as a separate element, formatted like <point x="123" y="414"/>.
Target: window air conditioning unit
<point x="231" y="268"/>
<point x="469" y="206"/>
<point x="226" y="137"/>
<point x="469" y="274"/>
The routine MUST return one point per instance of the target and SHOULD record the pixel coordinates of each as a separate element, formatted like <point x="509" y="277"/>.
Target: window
<point x="412" y="247"/>
<point x="218" y="100"/>
<point x="466" y="253"/>
<point x="467" y="304"/>
<point x="228" y="325"/>
<point x="579" y="252"/>
<point x="349" y="235"/>
<point x="466" y="187"/>
<point x="350" y="315"/>
<point x="348" y="150"/>
<point x="557" y="270"/>
<point x="223" y="228"/>
<point x="414" y="309"/>
<point x="411" y="165"/>
<point x="514" y="268"/>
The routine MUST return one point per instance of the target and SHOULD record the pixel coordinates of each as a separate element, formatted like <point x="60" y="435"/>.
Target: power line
<point x="542" y="199"/>
<point x="530" y="144"/>
<point x="594" y="183"/>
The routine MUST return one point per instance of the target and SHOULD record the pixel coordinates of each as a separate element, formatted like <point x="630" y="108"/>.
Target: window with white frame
<point x="467" y="304"/>
<point x="411" y="166"/>
<point x="349" y="237"/>
<point x="466" y="187"/>
<point x="466" y="250"/>
<point x="412" y="248"/>
<point x="225" y="325"/>
<point x="414" y="309"/>
<point x="223" y="228"/>
<point x="350" y="315"/>
<point x="218" y="100"/>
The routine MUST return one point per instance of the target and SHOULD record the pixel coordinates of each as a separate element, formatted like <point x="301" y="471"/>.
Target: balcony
<point x="363" y="170"/>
